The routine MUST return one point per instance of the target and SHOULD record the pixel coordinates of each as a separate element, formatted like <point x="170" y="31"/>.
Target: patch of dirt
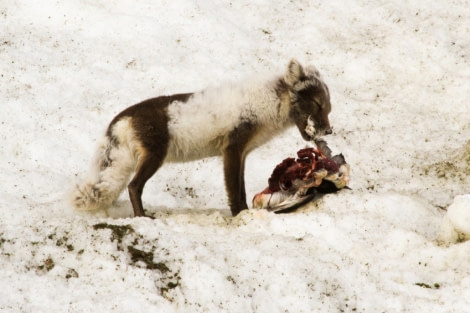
<point x="455" y="167"/>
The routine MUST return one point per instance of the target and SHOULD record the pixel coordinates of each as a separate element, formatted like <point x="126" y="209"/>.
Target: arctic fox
<point x="230" y="121"/>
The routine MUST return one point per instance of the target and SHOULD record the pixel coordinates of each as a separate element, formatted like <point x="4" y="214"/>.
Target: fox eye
<point x="317" y="103"/>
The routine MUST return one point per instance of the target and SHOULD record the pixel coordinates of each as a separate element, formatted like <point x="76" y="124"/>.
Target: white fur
<point x="198" y="127"/>
<point x="104" y="185"/>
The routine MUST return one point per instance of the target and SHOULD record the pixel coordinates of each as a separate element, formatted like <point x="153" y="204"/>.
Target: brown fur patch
<point x="150" y="121"/>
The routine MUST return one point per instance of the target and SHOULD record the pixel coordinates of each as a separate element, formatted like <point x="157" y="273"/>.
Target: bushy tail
<point x="109" y="174"/>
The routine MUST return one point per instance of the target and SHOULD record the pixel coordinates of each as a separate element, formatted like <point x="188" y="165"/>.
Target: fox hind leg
<point x="146" y="168"/>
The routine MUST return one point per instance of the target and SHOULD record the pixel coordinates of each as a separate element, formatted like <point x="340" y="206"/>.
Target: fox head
<point x="310" y="100"/>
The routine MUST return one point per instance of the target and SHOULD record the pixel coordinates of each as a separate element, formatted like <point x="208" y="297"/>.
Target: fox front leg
<point x="234" y="180"/>
<point x="234" y="155"/>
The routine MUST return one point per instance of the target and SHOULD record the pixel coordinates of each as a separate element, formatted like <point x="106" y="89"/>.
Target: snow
<point x="456" y="224"/>
<point x="398" y="74"/>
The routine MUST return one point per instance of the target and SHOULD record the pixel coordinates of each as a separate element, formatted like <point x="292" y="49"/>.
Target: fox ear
<point x="294" y="73"/>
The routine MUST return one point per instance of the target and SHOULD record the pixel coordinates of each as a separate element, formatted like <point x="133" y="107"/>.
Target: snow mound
<point x="455" y="225"/>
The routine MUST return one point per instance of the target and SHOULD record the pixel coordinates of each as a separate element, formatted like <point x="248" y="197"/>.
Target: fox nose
<point x="329" y="131"/>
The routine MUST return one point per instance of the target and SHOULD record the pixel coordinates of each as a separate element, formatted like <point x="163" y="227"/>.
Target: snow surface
<point x="399" y="77"/>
